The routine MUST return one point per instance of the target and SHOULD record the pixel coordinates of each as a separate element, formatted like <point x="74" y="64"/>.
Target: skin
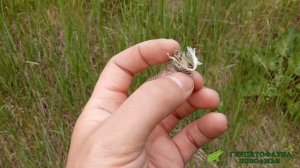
<point x="115" y="130"/>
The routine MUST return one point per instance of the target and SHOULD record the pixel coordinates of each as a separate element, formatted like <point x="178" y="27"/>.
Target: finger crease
<point x="142" y="56"/>
<point x="191" y="138"/>
<point x="123" y="68"/>
<point x="103" y="109"/>
<point x="177" y="116"/>
<point x="194" y="107"/>
<point x="115" y="89"/>
<point x="164" y="127"/>
<point x="180" y="152"/>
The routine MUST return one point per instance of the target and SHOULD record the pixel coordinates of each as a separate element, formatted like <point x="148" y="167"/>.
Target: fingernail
<point x="183" y="81"/>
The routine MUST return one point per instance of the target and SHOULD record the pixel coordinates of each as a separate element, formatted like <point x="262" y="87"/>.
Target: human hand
<point x="115" y="130"/>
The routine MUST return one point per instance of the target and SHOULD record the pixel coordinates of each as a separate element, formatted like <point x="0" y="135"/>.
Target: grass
<point x="51" y="54"/>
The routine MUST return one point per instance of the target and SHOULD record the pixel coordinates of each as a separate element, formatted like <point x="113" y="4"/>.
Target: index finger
<point x="117" y="75"/>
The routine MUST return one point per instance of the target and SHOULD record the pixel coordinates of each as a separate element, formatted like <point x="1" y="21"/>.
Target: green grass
<point x="51" y="54"/>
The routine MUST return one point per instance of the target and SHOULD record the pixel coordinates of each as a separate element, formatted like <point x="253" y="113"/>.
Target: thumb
<point x="150" y="104"/>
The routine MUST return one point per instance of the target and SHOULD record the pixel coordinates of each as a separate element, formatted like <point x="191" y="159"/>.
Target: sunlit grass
<point x="51" y="54"/>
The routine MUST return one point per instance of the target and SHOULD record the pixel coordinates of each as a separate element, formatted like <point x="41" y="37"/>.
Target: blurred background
<point x="52" y="52"/>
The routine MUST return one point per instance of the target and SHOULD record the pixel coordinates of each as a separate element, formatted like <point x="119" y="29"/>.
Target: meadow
<point x="52" y="52"/>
